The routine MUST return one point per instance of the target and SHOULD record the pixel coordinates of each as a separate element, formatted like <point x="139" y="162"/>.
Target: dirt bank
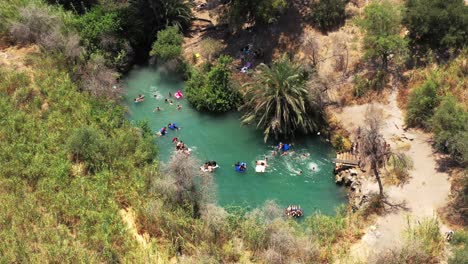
<point x="426" y="191"/>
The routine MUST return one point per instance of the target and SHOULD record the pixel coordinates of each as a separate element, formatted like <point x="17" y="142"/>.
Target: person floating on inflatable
<point x="173" y="126"/>
<point x="260" y="165"/>
<point x="241" y="166"/>
<point x="139" y="99"/>
<point x="178" y="95"/>
<point x="285" y="149"/>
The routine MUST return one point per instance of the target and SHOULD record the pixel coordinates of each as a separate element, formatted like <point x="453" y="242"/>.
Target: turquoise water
<point x="223" y="139"/>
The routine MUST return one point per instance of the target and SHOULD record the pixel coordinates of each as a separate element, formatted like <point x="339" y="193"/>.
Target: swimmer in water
<point x="166" y="101"/>
<point x="157" y="109"/>
<point x="179" y="107"/>
<point x="171" y="103"/>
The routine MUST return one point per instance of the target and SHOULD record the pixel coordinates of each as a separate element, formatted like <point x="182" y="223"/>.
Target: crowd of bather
<point x="282" y="149"/>
<point x="294" y="211"/>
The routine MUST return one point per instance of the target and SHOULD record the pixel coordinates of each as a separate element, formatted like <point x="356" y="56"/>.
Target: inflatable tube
<point x="173" y="126"/>
<point x="260" y="168"/>
<point x="238" y="167"/>
<point x="178" y="95"/>
<point x="286" y="147"/>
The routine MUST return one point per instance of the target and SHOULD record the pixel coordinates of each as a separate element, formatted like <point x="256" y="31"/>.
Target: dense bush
<point x="329" y="14"/>
<point x="450" y="127"/>
<point x="86" y="145"/>
<point x="421" y="104"/>
<point x="240" y="12"/>
<point x="168" y="44"/>
<point x="437" y="24"/>
<point x="460" y="250"/>
<point x="74" y="213"/>
<point x="213" y="90"/>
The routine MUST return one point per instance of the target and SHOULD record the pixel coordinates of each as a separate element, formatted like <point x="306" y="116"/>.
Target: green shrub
<point x="460" y="248"/>
<point x="86" y="145"/>
<point x="450" y="127"/>
<point x="96" y="24"/>
<point x="426" y="234"/>
<point x="168" y="44"/>
<point x="213" y="91"/>
<point x="437" y="24"/>
<point x="421" y="104"/>
<point x="329" y="14"/>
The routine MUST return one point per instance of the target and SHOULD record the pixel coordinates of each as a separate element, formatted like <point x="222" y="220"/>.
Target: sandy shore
<point x="426" y="191"/>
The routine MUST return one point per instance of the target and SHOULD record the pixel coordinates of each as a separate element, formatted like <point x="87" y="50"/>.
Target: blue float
<point x="239" y="165"/>
<point x="286" y="147"/>
<point x="173" y="126"/>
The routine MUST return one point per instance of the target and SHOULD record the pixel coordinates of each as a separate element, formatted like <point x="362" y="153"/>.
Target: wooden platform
<point x="347" y="159"/>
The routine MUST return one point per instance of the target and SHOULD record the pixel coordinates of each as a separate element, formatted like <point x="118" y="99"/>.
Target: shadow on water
<point x="303" y="177"/>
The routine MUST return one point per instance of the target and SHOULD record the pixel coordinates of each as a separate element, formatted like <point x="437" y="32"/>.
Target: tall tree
<point x="437" y="24"/>
<point x="329" y="14"/>
<point x="373" y="150"/>
<point x="279" y="102"/>
<point x="382" y="41"/>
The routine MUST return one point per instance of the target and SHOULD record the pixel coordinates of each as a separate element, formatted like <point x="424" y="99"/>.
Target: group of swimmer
<point x="167" y="101"/>
<point x="163" y="131"/>
<point x="209" y="166"/>
<point x="180" y="146"/>
<point x="139" y="99"/>
<point x="294" y="211"/>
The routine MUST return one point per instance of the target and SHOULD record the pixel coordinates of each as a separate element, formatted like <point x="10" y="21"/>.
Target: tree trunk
<point x="377" y="176"/>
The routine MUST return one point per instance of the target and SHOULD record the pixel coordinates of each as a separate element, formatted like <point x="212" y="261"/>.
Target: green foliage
<point x="329" y="14"/>
<point x="279" y="102"/>
<point x="341" y="143"/>
<point x="256" y="11"/>
<point x="96" y="24"/>
<point x="426" y="234"/>
<point x="213" y="90"/>
<point x="437" y="24"/>
<point x="326" y="229"/>
<point x="65" y="215"/>
<point x="146" y="17"/>
<point x="168" y="44"/>
<point x="85" y="144"/>
<point x="460" y="247"/>
<point x="381" y="24"/>
<point x="450" y="127"/>
<point x="421" y="104"/>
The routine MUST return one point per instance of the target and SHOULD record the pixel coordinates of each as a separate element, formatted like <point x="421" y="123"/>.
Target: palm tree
<point x="279" y="102"/>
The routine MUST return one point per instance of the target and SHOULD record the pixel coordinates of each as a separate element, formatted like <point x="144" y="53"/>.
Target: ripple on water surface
<point x="304" y="177"/>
